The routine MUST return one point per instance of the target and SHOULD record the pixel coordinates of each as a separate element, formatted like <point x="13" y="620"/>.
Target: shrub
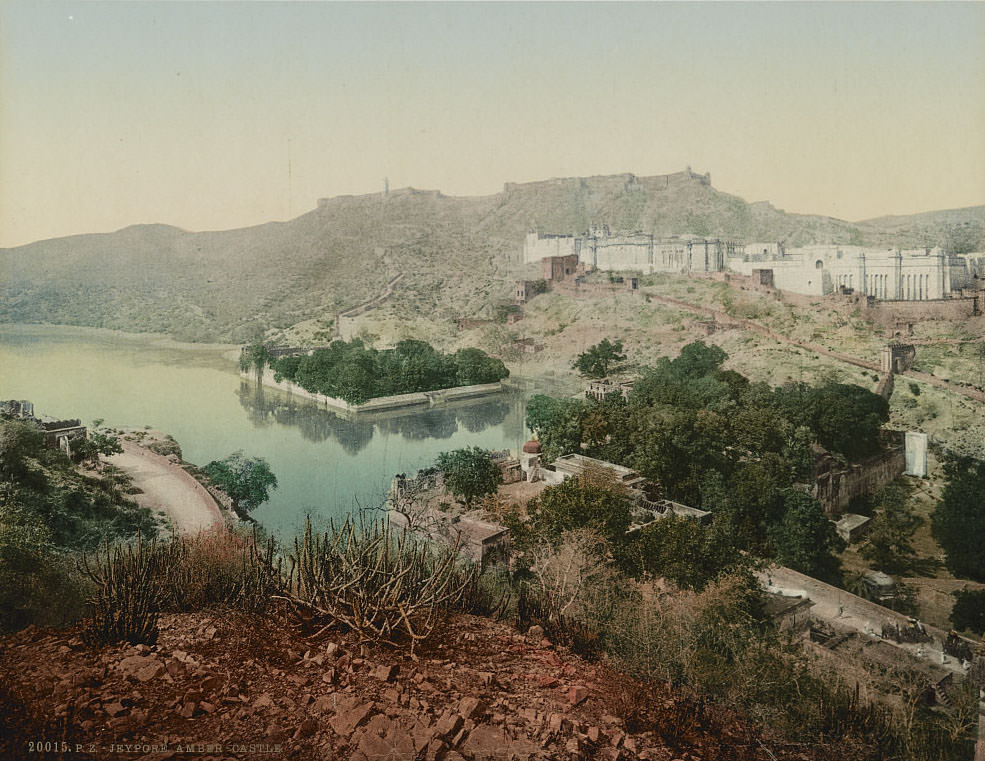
<point x="128" y="586"/>
<point x="470" y="473"/>
<point x="374" y="581"/>
<point x="203" y="570"/>
<point x="38" y="584"/>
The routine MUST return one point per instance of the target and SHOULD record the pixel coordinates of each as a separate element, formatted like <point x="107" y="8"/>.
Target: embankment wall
<point x="422" y="398"/>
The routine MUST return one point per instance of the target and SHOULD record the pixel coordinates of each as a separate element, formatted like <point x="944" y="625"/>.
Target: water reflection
<point x="266" y="407"/>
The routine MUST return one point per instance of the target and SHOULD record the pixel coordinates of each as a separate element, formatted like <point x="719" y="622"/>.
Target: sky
<point x="217" y="115"/>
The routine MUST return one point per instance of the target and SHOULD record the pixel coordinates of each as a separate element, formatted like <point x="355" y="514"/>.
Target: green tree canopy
<point x="20" y="442"/>
<point x="88" y="449"/>
<point x="697" y="359"/>
<point x="968" y="612"/>
<point x="579" y="503"/>
<point x="681" y="549"/>
<point x="958" y="522"/>
<point x="805" y="540"/>
<point x="888" y="542"/>
<point x="844" y="418"/>
<point x="557" y="422"/>
<point x="470" y="473"/>
<point x="600" y="359"/>
<point x="247" y="480"/>
<point x="255" y="357"/>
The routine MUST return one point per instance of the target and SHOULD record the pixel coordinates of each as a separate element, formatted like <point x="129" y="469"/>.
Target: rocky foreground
<point x="223" y="685"/>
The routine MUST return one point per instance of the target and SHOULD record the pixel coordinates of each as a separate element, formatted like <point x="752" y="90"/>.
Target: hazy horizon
<point x="211" y="116"/>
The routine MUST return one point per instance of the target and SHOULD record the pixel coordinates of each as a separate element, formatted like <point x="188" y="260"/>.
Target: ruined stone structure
<point x="897" y="357"/>
<point x="58" y="434"/>
<point x="598" y="390"/>
<point x="509" y="466"/>
<point x="18" y="409"/>
<point x="523" y="291"/>
<point x="851" y="526"/>
<point x="555" y="269"/>
<point x="664" y="508"/>
<point x="836" y="485"/>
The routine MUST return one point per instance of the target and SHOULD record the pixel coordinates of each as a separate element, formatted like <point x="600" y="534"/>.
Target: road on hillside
<point x="168" y="488"/>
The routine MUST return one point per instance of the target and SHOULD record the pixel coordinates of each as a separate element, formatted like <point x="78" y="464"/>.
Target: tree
<point x="579" y="503"/>
<point x="254" y="356"/>
<point x="246" y="480"/>
<point x="469" y="473"/>
<point x="20" y="443"/>
<point x="887" y="545"/>
<point x="958" y="522"/>
<point x="562" y="574"/>
<point x="557" y="422"/>
<point x="599" y="359"/>
<point x="845" y="418"/>
<point x="473" y="366"/>
<point x="805" y="539"/>
<point x="682" y="550"/>
<point x="968" y="612"/>
<point x="698" y="359"/>
<point x="88" y="449"/>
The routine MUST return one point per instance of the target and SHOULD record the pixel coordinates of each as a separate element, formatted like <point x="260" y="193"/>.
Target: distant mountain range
<point x="233" y="285"/>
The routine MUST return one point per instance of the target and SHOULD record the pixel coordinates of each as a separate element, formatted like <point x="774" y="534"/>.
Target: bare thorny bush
<point x="373" y="580"/>
<point x="564" y="579"/>
<point x="124" y="605"/>
<point x="563" y="573"/>
<point x="366" y="578"/>
<point x="135" y="583"/>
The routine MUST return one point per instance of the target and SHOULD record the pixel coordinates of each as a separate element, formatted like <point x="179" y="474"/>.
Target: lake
<point x="326" y="465"/>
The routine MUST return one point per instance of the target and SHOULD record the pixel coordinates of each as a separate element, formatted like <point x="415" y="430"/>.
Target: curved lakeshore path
<point x="168" y="488"/>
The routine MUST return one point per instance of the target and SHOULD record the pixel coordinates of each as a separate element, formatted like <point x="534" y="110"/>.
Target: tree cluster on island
<point x="356" y="373"/>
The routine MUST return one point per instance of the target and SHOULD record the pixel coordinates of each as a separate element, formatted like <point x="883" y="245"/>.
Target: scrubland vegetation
<point x="49" y="511"/>
<point x="673" y="605"/>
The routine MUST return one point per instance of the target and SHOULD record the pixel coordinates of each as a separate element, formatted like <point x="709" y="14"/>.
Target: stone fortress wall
<point x="640" y="252"/>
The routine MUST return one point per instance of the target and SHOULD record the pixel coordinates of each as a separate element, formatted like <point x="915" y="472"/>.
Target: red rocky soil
<point x="222" y="685"/>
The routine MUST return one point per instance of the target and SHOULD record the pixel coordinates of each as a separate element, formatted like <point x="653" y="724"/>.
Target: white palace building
<point x="888" y="274"/>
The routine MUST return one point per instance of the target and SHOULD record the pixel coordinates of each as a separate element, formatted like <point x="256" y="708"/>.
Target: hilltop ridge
<point x="234" y="285"/>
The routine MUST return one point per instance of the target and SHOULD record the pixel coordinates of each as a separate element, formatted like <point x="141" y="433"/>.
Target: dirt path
<point x="168" y="488"/>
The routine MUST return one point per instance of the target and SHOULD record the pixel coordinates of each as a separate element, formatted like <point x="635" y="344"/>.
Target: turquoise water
<point x="326" y="465"/>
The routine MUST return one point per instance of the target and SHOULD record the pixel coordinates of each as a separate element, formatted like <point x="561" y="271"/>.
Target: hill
<point x="253" y="685"/>
<point x="236" y="284"/>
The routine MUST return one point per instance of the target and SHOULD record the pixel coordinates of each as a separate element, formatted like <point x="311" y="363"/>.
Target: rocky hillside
<point x="483" y="691"/>
<point x="236" y="284"/>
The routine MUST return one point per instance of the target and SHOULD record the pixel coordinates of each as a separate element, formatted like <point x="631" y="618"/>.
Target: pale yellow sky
<point x="219" y="115"/>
